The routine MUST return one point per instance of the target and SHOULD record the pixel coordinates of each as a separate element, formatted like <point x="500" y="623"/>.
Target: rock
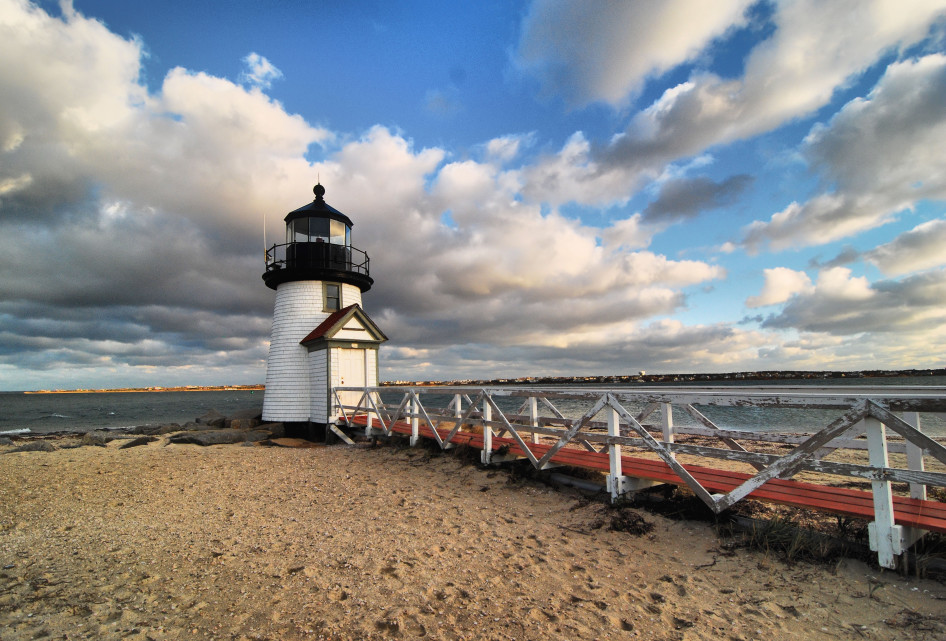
<point x="245" y="419"/>
<point x="34" y="446"/>
<point x="156" y="429"/>
<point x="170" y="428"/>
<point x="253" y="412"/>
<point x="94" y="438"/>
<point x="278" y="430"/>
<point x="219" y="437"/>
<point x="242" y="423"/>
<point x="6" y="440"/>
<point x="213" y="418"/>
<point x="135" y="442"/>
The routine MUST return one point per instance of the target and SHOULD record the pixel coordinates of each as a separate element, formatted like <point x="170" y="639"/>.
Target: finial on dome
<point x="319" y="191"/>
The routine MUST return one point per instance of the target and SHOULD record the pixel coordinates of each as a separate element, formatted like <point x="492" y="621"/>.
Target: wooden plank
<point x="340" y="434"/>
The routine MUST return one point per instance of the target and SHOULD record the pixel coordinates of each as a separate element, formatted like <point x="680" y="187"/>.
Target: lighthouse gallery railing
<point x="317" y="256"/>
<point x="857" y="421"/>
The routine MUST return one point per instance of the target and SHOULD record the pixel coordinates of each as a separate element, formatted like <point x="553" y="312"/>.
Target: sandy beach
<point x="249" y="542"/>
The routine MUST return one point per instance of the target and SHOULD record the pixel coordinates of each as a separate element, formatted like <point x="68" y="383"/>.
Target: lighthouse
<point x="321" y="337"/>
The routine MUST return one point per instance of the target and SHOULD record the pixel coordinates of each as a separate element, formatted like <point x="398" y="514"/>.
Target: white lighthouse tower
<point x="321" y="338"/>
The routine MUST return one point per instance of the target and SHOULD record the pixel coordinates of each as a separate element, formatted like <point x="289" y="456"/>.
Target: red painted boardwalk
<point x="926" y="515"/>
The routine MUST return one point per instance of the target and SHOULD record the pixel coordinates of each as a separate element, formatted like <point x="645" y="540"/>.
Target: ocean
<point x="83" y="412"/>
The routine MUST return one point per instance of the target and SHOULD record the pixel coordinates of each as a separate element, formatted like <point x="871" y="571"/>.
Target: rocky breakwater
<point x="213" y="428"/>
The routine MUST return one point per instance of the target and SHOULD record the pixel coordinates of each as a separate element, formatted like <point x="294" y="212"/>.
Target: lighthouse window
<point x="300" y="230"/>
<point x="318" y="230"/>
<point x="332" y="297"/>
<point x="339" y="233"/>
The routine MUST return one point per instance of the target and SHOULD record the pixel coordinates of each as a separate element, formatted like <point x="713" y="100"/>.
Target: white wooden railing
<point x="857" y="419"/>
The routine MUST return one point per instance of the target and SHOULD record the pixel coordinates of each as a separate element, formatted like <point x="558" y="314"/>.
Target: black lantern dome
<point x="317" y="247"/>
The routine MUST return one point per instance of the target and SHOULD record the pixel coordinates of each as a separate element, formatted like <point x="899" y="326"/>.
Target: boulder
<point x="252" y="412"/>
<point x="213" y="419"/>
<point x="219" y="437"/>
<point x="242" y="423"/>
<point x="135" y="442"/>
<point x="167" y="428"/>
<point x="170" y="428"/>
<point x="245" y="419"/>
<point x="34" y="446"/>
<point x="278" y="430"/>
<point x="94" y="438"/>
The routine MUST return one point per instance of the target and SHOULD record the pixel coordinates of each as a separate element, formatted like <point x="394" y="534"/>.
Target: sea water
<point x="769" y="419"/>
<point x="83" y="412"/>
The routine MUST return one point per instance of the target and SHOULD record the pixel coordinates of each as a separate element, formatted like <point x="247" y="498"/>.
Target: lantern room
<point x="317" y="247"/>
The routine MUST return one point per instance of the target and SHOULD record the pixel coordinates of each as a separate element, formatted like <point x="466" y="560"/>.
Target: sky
<point x="572" y="187"/>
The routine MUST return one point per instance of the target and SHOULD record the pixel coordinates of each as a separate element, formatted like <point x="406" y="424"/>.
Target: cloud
<point x="845" y="305"/>
<point x="791" y="74"/>
<point x="918" y="249"/>
<point x="684" y="198"/>
<point x="259" y="71"/>
<point x="781" y="284"/>
<point x="904" y="117"/>
<point x="604" y="51"/>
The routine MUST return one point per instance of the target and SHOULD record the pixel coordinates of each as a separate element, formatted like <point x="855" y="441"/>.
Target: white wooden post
<point x="666" y="423"/>
<point x="487" y="452"/>
<point x="616" y="478"/>
<point x="915" y="456"/>
<point x="886" y="538"/>
<point x="534" y="416"/>
<point x="415" y="421"/>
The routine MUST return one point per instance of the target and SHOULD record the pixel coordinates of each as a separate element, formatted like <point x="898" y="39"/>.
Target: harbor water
<point x="82" y="412"/>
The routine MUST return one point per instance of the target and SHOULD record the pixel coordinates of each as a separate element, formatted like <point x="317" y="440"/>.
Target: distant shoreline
<point x="608" y="379"/>
<point x="189" y="388"/>
<point x="772" y="375"/>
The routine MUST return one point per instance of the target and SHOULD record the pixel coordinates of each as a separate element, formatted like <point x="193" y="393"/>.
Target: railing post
<point x="886" y="538"/>
<point x="616" y="478"/>
<point x="415" y="422"/>
<point x="457" y="415"/>
<point x="666" y="423"/>
<point x="487" y="452"/>
<point x="915" y="456"/>
<point x="534" y="416"/>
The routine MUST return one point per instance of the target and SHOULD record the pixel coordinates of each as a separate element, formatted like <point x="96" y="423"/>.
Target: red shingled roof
<point x="327" y="324"/>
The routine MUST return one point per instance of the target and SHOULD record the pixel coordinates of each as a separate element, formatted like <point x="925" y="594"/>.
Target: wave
<point x="23" y="430"/>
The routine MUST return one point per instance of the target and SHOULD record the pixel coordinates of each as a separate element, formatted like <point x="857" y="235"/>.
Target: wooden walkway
<point x="908" y="512"/>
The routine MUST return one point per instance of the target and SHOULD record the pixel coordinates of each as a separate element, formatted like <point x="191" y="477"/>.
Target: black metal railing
<point x="319" y="255"/>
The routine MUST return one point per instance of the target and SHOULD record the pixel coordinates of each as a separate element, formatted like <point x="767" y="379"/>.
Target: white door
<point x="351" y="370"/>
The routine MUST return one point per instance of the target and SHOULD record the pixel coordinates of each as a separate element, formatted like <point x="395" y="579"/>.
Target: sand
<point x="235" y="542"/>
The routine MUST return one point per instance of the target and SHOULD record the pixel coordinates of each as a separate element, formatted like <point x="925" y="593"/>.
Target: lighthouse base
<point x="306" y="430"/>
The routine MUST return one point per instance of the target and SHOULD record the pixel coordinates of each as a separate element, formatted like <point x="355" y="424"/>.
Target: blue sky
<point x="543" y="187"/>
